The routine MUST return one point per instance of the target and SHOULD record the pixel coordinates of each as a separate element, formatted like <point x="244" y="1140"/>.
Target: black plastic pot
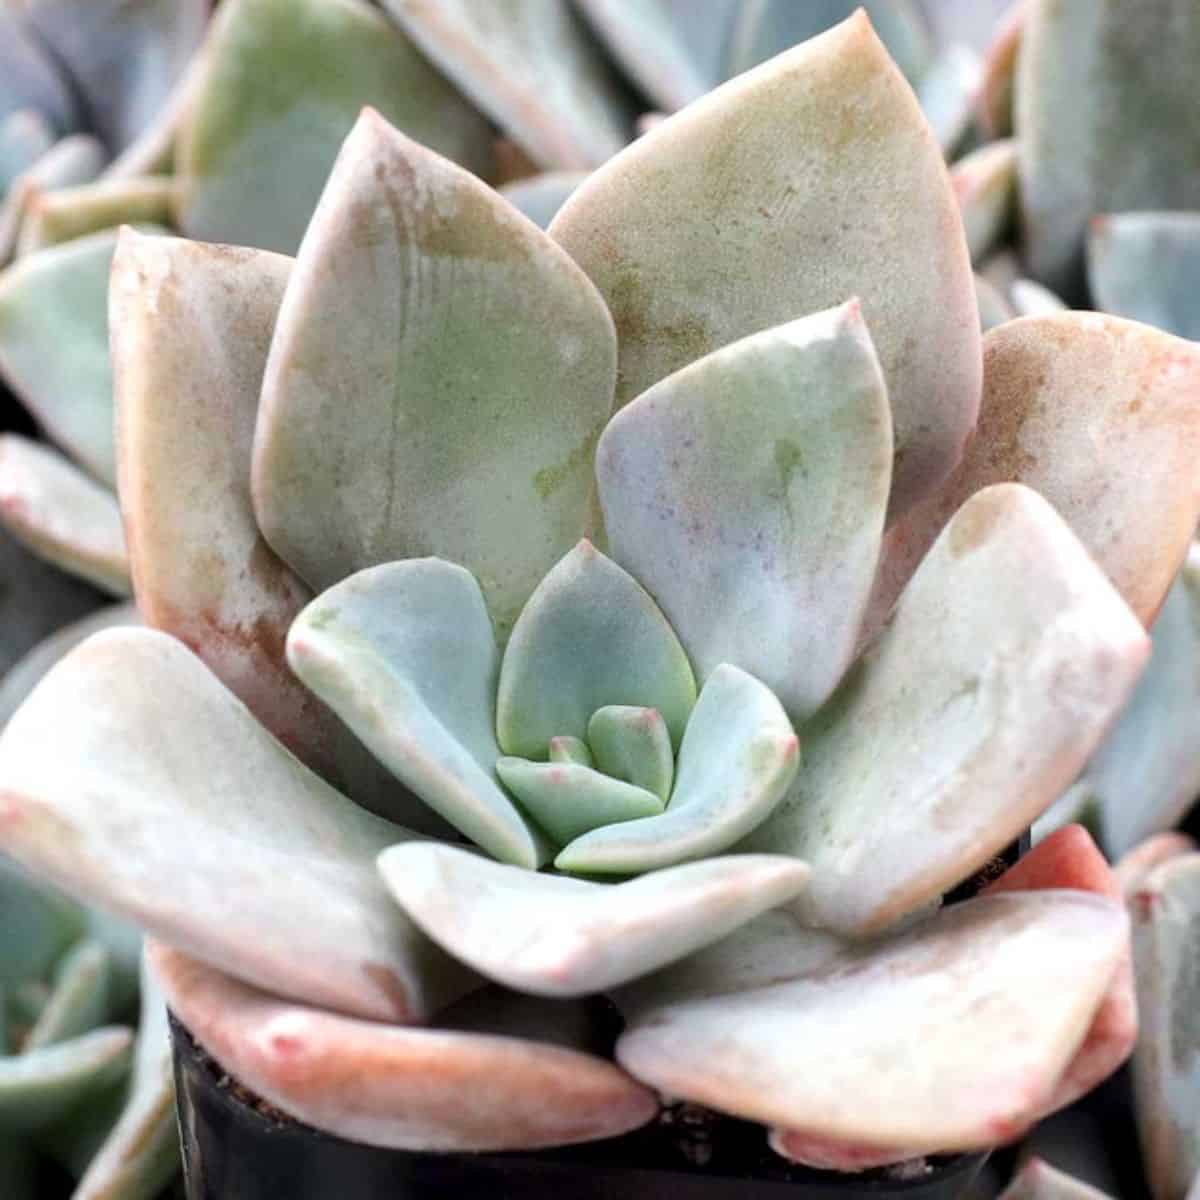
<point x="232" y="1151"/>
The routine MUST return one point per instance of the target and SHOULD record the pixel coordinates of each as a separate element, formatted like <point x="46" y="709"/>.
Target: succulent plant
<point x="355" y="487"/>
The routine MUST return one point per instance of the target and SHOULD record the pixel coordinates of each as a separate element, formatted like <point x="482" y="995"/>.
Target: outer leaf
<point x="123" y="57"/>
<point x="411" y="1089"/>
<point x="738" y="758"/>
<point x="722" y="222"/>
<point x="532" y="68"/>
<point x="1146" y="774"/>
<point x="1133" y="145"/>
<point x="38" y="1088"/>
<point x="1007" y="657"/>
<point x="569" y="799"/>
<point x="1102" y="417"/>
<point x="747" y="493"/>
<point x="947" y="1037"/>
<point x="281" y="86"/>
<point x="61" y="514"/>
<point x="651" y="48"/>
<point x="566" y="937"/>
<point x="986" y="182"/>
<point x="1165" y="908"/>
<point x="633" y="744"/>
<point x="54" y="345"/>
<point x="589" y="637"/>
<point x="67" y="213"/>
<point x="141" y="1152"/>
<point x="404" y="654"/>
<point x="478" y="362"/>
<point x="1145" y="266"/>
<point x="132" y="776"/>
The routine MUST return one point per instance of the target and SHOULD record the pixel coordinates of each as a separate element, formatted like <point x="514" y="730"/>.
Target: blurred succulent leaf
<point x="533" y="68"/>
<point x="1146" y="773"/>
<point x="994" y="101"/>
<point x="590" y="636"/>
<point x="79" y="997"/>
<point x="62" y="515"/>
<point x="569" y="799"/>
<point x="571" y="750"/>
<point x="633" y="744"/>
<point x="1102" y="417"/>
<point x="1132" y="145"/>
<point x="568" y="937"/>
<point x="39" y="924"/>
<point x="25" y="135"/>
<point x="141" y="1152"/>
<point x="39" y="1088"/>
<point x="993" y="308"/>
<point x="277" y="96"/>
<point x="20" y="678"/>
<point x="54" y="346"/>
<point x="721" y="222"/>
<point x="123" y="58"/>
<point x="738" y="758"/>
<point x="1038" y="1180"/>
<point x="651" y="48"/>
<point x="29" y="77"/>
<point x="998" y="989"/>
<point x="539" y="197"/>
<point x="1165" y="910"/>
<point x="1004" y="662"/>
<point x="947" y="93"/>
<point x="765" y="28"/>
<point x="985" y="182"/>
<point x="477" y="358"/>
<point x="62" y="214"/>
<point x="1145" y="265"/>
<point x="1032" y="299"/>
<point x="747" y="493"/>
<point x="408" y="1085"/>
<point x="246" y="820"/>
<point x="404" y="653"/>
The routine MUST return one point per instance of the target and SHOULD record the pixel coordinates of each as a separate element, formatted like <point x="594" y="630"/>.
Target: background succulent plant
<point x="762" y="464"/>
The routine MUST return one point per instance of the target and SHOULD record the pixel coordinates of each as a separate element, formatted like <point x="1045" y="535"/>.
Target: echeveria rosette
<point x="758" y="469"/>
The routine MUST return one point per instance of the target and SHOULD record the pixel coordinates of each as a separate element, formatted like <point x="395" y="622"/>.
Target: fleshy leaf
<point x="19" y="679"/>
<point x="54" y="345"/>
<point x="947" y="93"/>
<point x="738" y="758"/>
<point x="569" y="799"/>
<point x="768" y="27"/>
<point x="540" y="197"/>
<point x="567" y="937"/>
<point x="64" y="516"/>
<point x="25" y="135"/>
<point x="39" y="925"/>
<point x="79" y="997"/>
<point x="747" y="494"/>
<point x="722" y="222"/>
<point x="282" y="84"/>
<point x="947" y="1037"/>
<point x="122" y="57"/>
<point x="1146" y="773"/>
<point x="132" y="777"/>
<point x="68" y="213"/>
<point x="478" y="361"/>
<point x="404" y="654"/>
<point x="38" y="1088"/>
<point x="1145" y="266"/>
<point x="397" y="1087"/>
<point x="985" y="182"/>
<point x="590" y="636"/>
<point x="570" y="750"/>
<point x="633" y="744"/>
<point x="30" y="78"/>
<point x="1007" y="657"/>
<point x="1137" y="863"/>
<point x="1132" y="146"/>
<point x="532" y="67"/>
<point x="1102" y="417"/>
<point x="1165" y="910"/>
<point x="141" y="1152"/>
<point x="650" y="46"/>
